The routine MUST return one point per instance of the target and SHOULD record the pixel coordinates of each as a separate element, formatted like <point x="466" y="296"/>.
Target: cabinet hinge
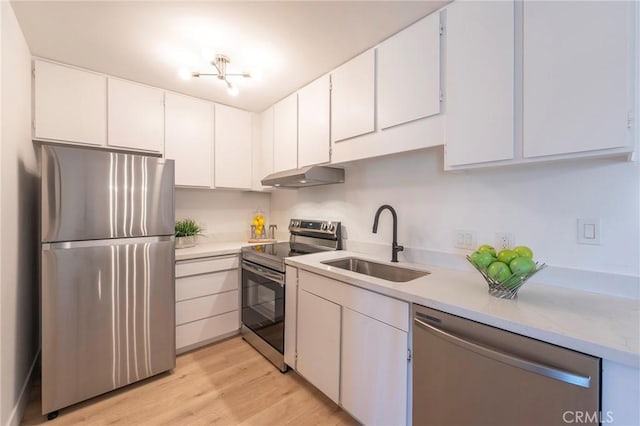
<point x="441" y="96"/>
<point x="33" y="71"/>
<point x="441" y="29"/>
<point x="33" y="125"/>
<point x="408" y="354"/>
<point x="629" y="119"/>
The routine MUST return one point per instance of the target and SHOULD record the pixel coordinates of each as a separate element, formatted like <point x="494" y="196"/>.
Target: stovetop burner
<point x="279" y="250"/>
<point x="306" y="236"/>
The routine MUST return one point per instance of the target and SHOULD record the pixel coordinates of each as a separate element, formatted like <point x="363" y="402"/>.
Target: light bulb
<point x="232" y="90"/>
<point x="184" y="74"/>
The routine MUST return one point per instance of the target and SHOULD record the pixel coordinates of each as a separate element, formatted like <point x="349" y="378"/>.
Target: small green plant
<point x="187" y="228"/>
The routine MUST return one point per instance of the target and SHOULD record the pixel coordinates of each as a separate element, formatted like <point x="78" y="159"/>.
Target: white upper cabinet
<point x="409" y="73"/>
<point x="578" y="81"/>
<point x="262" y="148"/>
<point x="480" y="82"/>
<point x="314" y="104"/>
<point x="136" y="116"/>
<point x="189" y="139"/>
<point x="70" y="104"/>
<point x="353" y="97"/>
<point x="285" y="134"/>
<point x="232" y="152"/>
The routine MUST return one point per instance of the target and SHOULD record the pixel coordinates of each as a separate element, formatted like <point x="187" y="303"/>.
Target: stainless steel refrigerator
<point x="107" y="271"/>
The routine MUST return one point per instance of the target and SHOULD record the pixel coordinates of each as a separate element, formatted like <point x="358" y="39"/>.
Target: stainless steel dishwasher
<point x="467" y="373"/>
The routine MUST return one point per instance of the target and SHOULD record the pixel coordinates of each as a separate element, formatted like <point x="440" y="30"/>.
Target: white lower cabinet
<point x="374" y="370"/>
<point x="319" y="343"/>
<point x="353" y="345"/>
<point x="207" y="301"/>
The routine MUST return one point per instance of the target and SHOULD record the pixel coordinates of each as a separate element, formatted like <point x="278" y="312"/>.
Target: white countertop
<point x="211" y="249"/>
<point x="600" y="325"/>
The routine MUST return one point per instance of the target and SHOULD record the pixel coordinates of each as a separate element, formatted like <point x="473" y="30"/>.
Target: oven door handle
<point x="265" y="273"/>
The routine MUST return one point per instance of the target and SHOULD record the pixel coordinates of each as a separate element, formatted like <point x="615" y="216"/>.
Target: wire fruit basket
<point x="508" y="288"/>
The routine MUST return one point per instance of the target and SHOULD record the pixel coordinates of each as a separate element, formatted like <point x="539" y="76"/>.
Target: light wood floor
<point x="227" y="383"/>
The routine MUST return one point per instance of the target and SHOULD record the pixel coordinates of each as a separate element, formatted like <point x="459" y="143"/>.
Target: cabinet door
<point x="232" y="152"/>
<point x="480" y="82"/>
<point x="409" y="73"/>
<point x="374" y="370"/>
<point x="285" y="134"/>
<point x="577" y="81"/>
<point x="70" y="105"/>
<point x="319" y="343"/>
<point x="136" y="116"/>
<point x="353" y="98"/>
<point x="189" y="139"/>
<point x="313" y="122"/>
<point x="263" y="149"/>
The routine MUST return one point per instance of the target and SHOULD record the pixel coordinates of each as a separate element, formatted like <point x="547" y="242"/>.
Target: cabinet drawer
<point x="383" y="308"/>
<point x="206" y="284"/>
<point x="207" y="306"/>
<point x="206" y="329"/>
<point x="203" y="266"/>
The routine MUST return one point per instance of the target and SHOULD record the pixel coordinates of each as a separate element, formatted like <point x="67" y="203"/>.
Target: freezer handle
<point x="514" y="361"/>
<point x="108" y="242"/>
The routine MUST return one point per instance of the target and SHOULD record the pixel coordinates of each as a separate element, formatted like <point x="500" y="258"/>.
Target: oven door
<point x="263" y="303"/>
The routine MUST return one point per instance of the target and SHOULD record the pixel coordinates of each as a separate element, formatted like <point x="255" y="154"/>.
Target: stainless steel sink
<point x="379" y="270"/>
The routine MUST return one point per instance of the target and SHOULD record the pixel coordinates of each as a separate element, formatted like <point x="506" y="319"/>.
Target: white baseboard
<point x="21" y="404"/>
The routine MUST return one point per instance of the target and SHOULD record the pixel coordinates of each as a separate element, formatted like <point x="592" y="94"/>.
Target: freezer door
<point x="108" y="316"/>
<point x="90" y="194"/>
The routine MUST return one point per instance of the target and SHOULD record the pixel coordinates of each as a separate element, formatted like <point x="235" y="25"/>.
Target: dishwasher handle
<point x="514" y="361"/>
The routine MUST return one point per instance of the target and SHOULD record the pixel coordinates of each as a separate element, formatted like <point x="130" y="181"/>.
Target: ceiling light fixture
<point x="220" y="63"/>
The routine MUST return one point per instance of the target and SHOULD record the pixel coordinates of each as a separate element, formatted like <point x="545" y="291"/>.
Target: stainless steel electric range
<point x="263" y="281"/>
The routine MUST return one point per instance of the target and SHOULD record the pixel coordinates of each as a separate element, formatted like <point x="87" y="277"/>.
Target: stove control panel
<point x="314" y="227"/>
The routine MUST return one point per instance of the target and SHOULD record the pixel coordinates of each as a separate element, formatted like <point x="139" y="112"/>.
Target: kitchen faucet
<point x="395" y="248"/>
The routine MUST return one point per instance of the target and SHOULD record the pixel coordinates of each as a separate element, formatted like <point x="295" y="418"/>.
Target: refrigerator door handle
<point x="110" y="242"/>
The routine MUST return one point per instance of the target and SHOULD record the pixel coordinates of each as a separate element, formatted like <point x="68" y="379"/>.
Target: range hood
<point x="305" y="176"/>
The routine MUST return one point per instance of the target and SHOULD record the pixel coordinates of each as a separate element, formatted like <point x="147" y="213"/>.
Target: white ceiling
<point x="293" y="42"/>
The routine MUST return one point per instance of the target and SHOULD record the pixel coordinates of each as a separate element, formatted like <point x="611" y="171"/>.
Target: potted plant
<point x="186" y="232"/>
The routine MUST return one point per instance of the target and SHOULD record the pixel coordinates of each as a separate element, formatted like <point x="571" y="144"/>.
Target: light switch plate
<point x="588" y="231"/>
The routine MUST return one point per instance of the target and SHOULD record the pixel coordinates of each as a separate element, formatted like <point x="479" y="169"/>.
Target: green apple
<point x="524" y="251"/>
<point x="487" y="248"/>
<point x="482" y="259"/>
<point x="522" y="265"/>
<point x="506" y="256"/>
<point x="499" y="271"/>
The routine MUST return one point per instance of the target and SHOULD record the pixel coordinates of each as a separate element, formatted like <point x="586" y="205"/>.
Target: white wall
<point x="226" y="215"/>
<point x="539" y="204"/>
<point x="19" y="223"/>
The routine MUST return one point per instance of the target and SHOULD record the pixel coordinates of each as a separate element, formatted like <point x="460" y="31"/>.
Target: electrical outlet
<point x="464" y="239"/>
<point x="504" y="240"/>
